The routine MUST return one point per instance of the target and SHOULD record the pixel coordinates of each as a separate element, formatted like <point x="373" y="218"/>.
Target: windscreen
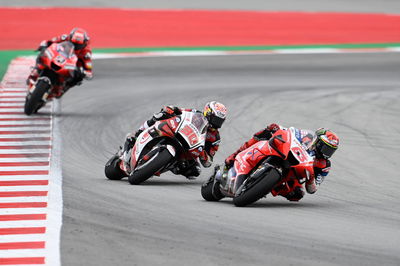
<point x="66" y="49"/>
<point x="307" y="138"/>
<point x="199" y="122"/>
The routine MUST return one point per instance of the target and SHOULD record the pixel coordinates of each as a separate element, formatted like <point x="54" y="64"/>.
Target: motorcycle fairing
<point x="169" y="128"/>
<point x="283" y="145"/>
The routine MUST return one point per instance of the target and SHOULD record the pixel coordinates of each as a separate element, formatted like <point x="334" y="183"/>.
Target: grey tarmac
<point x="352" y="220"/>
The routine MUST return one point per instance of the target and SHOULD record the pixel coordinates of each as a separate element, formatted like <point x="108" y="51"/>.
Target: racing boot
<point x="191" y="170"/>
<point x="130" y="141"/>
<point x="296" y="194"/>
<point x="128" y="145"/>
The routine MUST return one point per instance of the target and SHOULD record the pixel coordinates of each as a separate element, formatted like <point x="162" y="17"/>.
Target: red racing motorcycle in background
<point x="273" y="166"/>
<point x="169" y="145"/>
<point x="59" y="66"/>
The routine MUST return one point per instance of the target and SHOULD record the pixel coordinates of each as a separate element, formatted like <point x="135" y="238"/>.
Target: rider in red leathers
<point x="214" y="112"/>
<point x="81" y="41"/>
<point x="325" y="144"/>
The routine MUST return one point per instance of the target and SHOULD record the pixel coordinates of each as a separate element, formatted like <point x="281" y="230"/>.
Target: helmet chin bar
<point x="216" y="121"/>
<point x="324" y="150"/>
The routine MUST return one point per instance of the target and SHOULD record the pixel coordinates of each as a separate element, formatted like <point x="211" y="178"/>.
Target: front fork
<point x="226" y="179"/>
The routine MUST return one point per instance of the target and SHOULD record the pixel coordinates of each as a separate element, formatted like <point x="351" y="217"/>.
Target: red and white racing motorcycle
<point x="277" y="165"/>
<point x="168" y="145"/>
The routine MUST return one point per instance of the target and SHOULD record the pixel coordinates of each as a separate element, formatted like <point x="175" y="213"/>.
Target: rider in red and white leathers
<point x="214" y="112"/>
<point x="324" y="146"/>
<point x="81" y="41"/>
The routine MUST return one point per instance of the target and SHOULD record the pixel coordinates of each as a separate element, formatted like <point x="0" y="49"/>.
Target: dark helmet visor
<point x="324" y="149"/>
<point x="79" y="46"/>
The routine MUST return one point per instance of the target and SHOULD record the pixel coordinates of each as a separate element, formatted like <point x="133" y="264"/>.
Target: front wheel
<point x="256" y="189"/>
<point x="34" y="101"/>
<point x="112" y="170"/>
<point x="147" y="168"/>
<point x="210" y="190"/>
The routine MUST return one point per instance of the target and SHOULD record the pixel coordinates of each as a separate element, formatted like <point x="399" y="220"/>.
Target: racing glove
<point x="273" y="127"/>
<point x="169" y="109"/>
<point x="129" y="142"/>
<point x="166" y="112"/>
<point x="42" y="46"/>
<point x="230" y="160"/>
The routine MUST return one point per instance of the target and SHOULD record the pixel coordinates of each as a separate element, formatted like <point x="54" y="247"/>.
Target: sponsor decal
<point x="298" y="134"/>
<point x="220" y="109"/>
<point x="145" y="137"/>
<point x="60" y="59"/>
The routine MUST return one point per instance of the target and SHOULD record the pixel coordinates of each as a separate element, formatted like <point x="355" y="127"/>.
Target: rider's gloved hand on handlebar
<point x="229" y="161"/>
<point x="273" y="127"/>
<point x="171" y="110"/>
<point x="42" y="46"/>
<point x="79" y="75"/>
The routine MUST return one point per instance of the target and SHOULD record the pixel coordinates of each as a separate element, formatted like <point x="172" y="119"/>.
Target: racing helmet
<point x="215" y="113"/>
<point x="325" y="144"/>
<point x="79" y="38"/>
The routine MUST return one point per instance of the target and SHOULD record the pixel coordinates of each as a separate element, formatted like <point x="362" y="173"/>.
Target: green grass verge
<point x="7" y="55"/>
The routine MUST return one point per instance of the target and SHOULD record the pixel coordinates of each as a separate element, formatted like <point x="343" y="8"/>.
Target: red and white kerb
<point x="30" y="176"/>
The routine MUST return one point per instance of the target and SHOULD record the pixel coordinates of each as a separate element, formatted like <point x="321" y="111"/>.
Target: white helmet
<point x="215" y="113"/>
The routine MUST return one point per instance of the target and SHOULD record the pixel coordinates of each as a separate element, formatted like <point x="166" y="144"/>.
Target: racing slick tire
<point x="210" y="190"/>
<point x="257" y="189"/>
<point x="112" y="170"/>
<point x="152" y="165"/>
<point x="34" y="101"/>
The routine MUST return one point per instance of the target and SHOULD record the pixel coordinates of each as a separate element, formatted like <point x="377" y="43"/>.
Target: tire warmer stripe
<point x="30" y="176"/>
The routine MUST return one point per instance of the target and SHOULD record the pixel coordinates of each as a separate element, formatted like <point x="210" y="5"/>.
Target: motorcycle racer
<point x="321" y="147"/>
<point x="214" y="112"/>
<point x="81" y="41"/>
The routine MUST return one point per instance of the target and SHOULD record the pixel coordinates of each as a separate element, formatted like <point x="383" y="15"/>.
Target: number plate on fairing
<point x="192" y="129"/>
<point x="298" y="149"/>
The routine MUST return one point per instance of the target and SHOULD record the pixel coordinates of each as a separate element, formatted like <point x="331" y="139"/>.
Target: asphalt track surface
<point x="362" y="6"/>
<point x="352" y="220"/>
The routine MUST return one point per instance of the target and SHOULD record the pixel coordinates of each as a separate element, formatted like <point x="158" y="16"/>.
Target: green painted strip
<point x="7" y="55"/>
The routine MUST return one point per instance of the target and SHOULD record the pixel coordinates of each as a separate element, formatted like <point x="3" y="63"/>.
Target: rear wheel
<point x="147" y="168"/>
<point x="34" y="101"/>
<point x="112" y="169"/>
<point x="253" y="190"/>
<point x="210" y="190"/>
